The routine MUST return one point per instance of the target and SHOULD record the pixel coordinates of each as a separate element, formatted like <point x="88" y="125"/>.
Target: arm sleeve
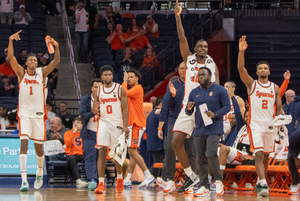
<point x="83" y="109"/>
<point x="190" y="112"/>
<point x="133" y="92"/>
<point x="225" y="103"/>
<point x="237" y="112"/>
<point x="284" y="87"/>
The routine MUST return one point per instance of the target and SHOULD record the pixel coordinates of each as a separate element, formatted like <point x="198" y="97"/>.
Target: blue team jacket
<point x="86" y="113"/>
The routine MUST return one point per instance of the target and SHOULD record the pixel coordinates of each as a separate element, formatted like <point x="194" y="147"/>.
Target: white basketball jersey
<point x="191" y="74"/>
<point x="244" y="138"/>
<point x="226" y="117"/>
<point x="31" y="95"/>
<point x="93" y="122"/>
<point x="110" y="107"/>
<point x="262" y="104"/>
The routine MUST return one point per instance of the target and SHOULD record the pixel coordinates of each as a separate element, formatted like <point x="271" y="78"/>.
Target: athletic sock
<point x="188" y="171"/>
<point x="40" y="163"/>
<point x="222" y="167"/>
<point x="147" y="173"/>
<point x="263" y="182"/>
<point x="23" y="164"/>
<point x="119" y="176"/>
<point x="101" y="179"/>
<point x="128" y="176"/>
<point x="258" y="180"/>
<point x="210" y="177"/>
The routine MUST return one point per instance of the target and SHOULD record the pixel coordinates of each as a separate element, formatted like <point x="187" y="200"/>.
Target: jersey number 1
<point x="264" y="104"/>
<point x="30" y="91"/>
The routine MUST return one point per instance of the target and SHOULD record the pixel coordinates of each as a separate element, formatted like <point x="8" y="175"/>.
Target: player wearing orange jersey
<point x="136" y="122"/>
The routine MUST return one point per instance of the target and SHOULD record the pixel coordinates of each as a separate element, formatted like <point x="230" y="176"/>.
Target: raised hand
<point x="287" y="75"/>
<point x="172" y="89"/>
<point x="178" y="9"/>
<point x="53" y="42"/>
<point x="15" y="36"/>
<point x="190" y="105"/>
<point x="125" y="78"/>
<point x="243" y="43"/>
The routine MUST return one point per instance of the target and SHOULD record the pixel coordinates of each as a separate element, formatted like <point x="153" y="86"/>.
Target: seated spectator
<point x="149" y="58"/>
<point x="65" y="117"/>
<point x="117" y="39"/>
<point x="127" y="62"/>
<point x="53" y="78"/>
<point x="22" y="59"/>
<point x="133" y="29"/>
<point x="50" y="114"/>
<point x="6" y="11"/>
<point x="151" y="27"/>
<point x="112" y="16"/>
<point x="43" y="60"/>
<point x="2" y="59"/>
<point x="110" y="30"/>
<point x="5" y="69"/>
<point x="74" y="151"/>
<point x="21" y="16"/>
<point x="138" y="41"/>
<point x="289" y="97"/>
<point x="7" y="89"/>
<point x="3" y="118"/>
<point x="12" y="118"/>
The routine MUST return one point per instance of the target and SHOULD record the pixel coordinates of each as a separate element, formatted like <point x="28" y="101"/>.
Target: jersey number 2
<point x="109" y="109"/>
<point x="30" y="93"/>
<point x="264" y="104"/>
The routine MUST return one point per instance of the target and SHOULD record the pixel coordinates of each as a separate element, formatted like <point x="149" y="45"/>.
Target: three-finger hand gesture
<point x="243" y="43"/>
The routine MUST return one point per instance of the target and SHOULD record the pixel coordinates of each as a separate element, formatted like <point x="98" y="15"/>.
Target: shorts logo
<point x="134" y="141"/>
<point x="210" y="93"/>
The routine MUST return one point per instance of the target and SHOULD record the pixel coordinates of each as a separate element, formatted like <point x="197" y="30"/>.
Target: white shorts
<point x="261" y="140"/>
<point x="107" y="135"/>
<point x="185" y="123"/>
<point x="34" y="128"/>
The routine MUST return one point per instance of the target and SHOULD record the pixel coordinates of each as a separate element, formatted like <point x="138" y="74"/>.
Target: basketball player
<point x="263" y="96"/>
<point x="112" y="102"/>
<point x="184" y="124"/>
<point x="31" y="108"/>
<point x="230" y="86"/>
<point x="136" y="122"/>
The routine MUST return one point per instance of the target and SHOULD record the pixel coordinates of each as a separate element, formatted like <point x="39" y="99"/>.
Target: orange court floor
<point x="130" y="194"/>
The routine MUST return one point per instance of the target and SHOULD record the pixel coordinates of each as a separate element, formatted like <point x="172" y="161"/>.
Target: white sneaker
<point x="190" y="190"/>
<point x="147" y="181"/>
<point x="294" y="190"/>
<point x="169" y="187"/>
<point x="80" y="183"/>
<point x="248" y="185"/>
<point x="161" y="182"/>
<point x="127" y="183"/>
<point x="219" y="188"/>
<point x="234" y="185"/>
<point x="24" y="186"/>
<point x="201" y="192"/>
<point x="38" y="182"/>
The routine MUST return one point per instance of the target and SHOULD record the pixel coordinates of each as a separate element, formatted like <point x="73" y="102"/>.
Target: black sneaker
<point x="187" y="184"/>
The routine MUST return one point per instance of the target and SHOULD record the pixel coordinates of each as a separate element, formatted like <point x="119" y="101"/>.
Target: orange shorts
<point x="135" y="134"/>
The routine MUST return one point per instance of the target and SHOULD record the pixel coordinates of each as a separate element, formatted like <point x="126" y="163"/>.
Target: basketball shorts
<point x="34" y="128"/>
<point x="135" y="135"/>
<point x="261" y="140"/>
<point x="185" y="123"/>
<point x="107" y="135"/>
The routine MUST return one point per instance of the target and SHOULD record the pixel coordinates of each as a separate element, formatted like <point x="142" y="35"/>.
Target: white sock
<point x="222" y="167"/>
<point x="77" y="180"/>
<point x="147" y="173"/>
<point x="188" y="171"/>
<point x="128" y="176"/>
<point x="40" y="163"/>
<point x="23" y="164"/>
<point x="101" y="179"/>
<point x="119" y="176"/>
<point x="209" y="178"/>
<point x="258" y="180"/>
<point x="263" y="181"/>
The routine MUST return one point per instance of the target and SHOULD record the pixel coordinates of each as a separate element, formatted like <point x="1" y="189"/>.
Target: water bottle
<point x="244" y="151"/>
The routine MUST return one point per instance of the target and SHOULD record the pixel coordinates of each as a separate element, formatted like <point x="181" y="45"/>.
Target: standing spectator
<point x="90" y="116"/>
<point x="5" y="69"/>
<point x="117" y="39"/>
<point x="70" y="7"/>
<point x="3" y="120"/>
<point x="74" y="150"/>
<point x="133" y="29"/>
<point x="82" y="31"/>
<point x="289" y="97"/>
<point x="151" y="27"/>
<point x="207" y="136"/>
<point x="6" y="11"/>
<point x="53" y="78"/>
<point x="93" y="21"/>
<point x="2" y="59"/>
<point x="66" y="118"/>
<point x="21" y="16"/>
<point x="155" y="145"/>
<point x="112" y="16"/>
<point x="50" y="114"/>
<point x="7" y="89"/>
<point x="138" y="41"/>
<point x="22" y="59"/>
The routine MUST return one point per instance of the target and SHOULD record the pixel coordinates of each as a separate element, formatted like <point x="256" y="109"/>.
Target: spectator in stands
<point x="138" y="41"/>
<point x="3" y="118"/>
<point x="5" y="69"/>
<point x="117" y="39"/>
<point x="70" y="7"/>
<point x="53" y="78"/>
<point x="93" y="21"/>
<point x="127" y="62"/>
<point x="22" y="59"/>
<point x="65" y="117"/>
<point x="154" y="144"/>
<point x="44" y="60"/>
<point x="151" y="27"/>
<point x="153" y="101"/>
<point x="149" y="58"/>
<point x="50" y="5"/>
<point x="111" y="16"/>
<point x="7" y="89"/>
<point x="74" y="150"/>
<point x="110" y="30"/>
<point x="21" y="16"/>
<point x="133" y="29"/>
<point x="82" y="31"/>
<point x="12" y="118"/>
<point x="6" y="11"/>
<point x="50" y="114"/>
<point x="289" y="97"/>
<point x="2" y="59"/>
